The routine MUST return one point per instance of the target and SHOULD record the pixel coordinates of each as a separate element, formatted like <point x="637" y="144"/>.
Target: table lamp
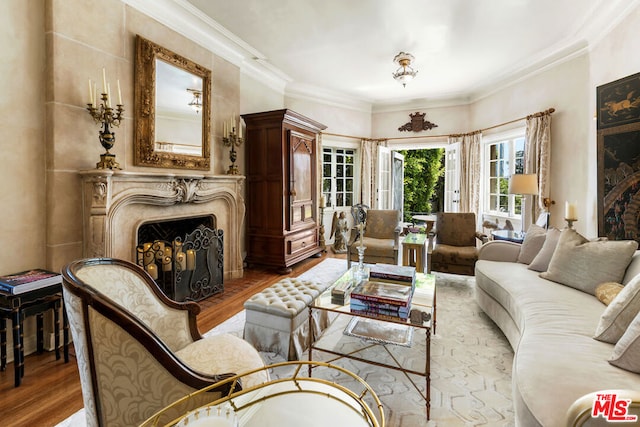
<point x="523" y="184"/>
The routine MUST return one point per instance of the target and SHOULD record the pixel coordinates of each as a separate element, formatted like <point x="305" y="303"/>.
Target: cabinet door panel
<point x="302" y="171"/>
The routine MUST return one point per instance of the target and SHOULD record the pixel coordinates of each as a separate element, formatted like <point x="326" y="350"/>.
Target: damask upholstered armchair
<point x="139" y="351"/>
<point x="453" y="245"/>
<point x="381" y="237"/>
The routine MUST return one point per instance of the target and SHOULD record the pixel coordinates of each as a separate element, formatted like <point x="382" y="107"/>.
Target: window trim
<point x="356" y="171"/>
<point x="510" y="135"/>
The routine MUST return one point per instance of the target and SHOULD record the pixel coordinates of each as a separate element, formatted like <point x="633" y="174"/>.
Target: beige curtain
<point x="537" y="160"/>
<point x="369" y="170"/>
<point x="470" y="173"/>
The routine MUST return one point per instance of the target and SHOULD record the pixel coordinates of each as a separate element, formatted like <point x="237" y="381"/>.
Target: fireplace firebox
<point x="185" y="257"/>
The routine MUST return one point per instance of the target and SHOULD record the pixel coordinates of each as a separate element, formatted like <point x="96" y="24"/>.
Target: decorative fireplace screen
<point x="186" y="268"/>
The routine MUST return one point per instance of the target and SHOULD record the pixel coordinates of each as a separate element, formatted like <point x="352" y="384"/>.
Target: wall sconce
<point x="105" y="115"/>
<point x="233" y="140"/>
<point x="196" y="102"/>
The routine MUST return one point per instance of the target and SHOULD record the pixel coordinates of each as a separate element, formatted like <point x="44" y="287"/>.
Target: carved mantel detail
<point x="116" y="203"/>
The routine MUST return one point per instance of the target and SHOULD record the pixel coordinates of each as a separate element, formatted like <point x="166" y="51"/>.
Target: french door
<point x="452" y="178"/>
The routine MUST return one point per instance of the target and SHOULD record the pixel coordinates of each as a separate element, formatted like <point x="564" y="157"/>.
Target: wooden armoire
<point x="282" y="187"/>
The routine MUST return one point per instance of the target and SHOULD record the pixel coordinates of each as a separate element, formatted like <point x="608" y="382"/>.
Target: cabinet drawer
<point x="302" y="242"/>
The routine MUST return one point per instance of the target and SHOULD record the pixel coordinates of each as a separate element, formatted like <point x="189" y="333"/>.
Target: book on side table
<point x="29" y="280"/>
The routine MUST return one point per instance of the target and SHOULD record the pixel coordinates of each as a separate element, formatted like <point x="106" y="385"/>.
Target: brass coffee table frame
<point x="424" y="299"/>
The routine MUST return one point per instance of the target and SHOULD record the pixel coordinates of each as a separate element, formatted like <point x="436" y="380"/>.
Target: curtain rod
<point x="530" y="116"/>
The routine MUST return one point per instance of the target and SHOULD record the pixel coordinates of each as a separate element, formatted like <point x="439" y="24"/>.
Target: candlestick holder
<point x="232" y="140"/>
<point x="361" y="272"/>
<point x="107" y="117"/>
<point x="321" y="231"/>
<point x="570" y="222"/>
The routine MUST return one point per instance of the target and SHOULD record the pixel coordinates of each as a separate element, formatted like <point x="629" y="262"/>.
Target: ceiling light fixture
<point x="404" y="74"/>
<point x="195" y="103"/>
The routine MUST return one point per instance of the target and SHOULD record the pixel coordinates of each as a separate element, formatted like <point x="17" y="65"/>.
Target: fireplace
<point x="118" y="203"/>
<point x="185" y="257"/>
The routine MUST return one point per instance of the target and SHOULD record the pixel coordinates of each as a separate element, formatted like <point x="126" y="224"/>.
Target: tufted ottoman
<point x="278" y="319"/>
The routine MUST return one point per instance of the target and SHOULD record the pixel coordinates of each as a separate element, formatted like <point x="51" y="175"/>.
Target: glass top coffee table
<point x="393" y="343"/>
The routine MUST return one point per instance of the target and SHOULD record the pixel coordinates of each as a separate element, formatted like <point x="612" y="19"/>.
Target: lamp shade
<point x="523" y="184"/>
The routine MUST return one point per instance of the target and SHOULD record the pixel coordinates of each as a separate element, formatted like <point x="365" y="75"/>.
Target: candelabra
<point x="107" y="117"/>
<point x="233" y="140"/>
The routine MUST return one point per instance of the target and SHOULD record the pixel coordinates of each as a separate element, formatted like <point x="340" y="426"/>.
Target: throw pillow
<point x="618" y="315"/>
<point x="582" y="264"/>
<point x="626" y="353"/>
<point x="541" y="261"/>
<point x="533" y="241"/>
<point x="606" y="292"/>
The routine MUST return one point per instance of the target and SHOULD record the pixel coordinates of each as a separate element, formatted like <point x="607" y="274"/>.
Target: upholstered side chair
<point x="381" y="237"/>
<point x="453" y="244"/>
<point x="139" y="351"/>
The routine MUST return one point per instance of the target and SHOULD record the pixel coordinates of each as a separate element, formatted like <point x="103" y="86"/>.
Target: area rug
<point x="470" y="363"/>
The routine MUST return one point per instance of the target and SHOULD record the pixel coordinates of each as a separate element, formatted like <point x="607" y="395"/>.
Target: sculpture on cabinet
<point x="339" y="229"/>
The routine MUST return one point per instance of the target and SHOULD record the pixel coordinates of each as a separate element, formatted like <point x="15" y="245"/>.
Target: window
<point x="504" y="157"/>
<point x="338" y="176"/>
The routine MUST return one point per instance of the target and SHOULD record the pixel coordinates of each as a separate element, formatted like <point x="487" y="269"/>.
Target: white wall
<point x="564" y="87"/>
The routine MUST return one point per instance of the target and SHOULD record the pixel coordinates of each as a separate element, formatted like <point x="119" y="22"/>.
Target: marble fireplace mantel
<point x="116" y="203"/>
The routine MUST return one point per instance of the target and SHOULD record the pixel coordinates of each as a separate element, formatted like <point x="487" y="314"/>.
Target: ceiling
<point x="463" y="49"/>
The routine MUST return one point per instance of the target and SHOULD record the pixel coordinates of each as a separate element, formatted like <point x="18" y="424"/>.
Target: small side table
<point x="414" y="251"/>
<point x="31" y="303"/>
<point x="508" y="235"/>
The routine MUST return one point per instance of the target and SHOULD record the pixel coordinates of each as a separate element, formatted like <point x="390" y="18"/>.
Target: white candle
<point x="104" y="81"/>
<point x="90" y="93"/>
<point x="239" y="128"/>
<point x="153" y="271"/>
<point x="95" y="93"/>
<point x="225" y="131"/>
<point x="119" y="93"/>
<point x="108" y="95"/>
<point x="323" y="202"/>
<point x="570" y="211"/>
<point x="191" y="259"/>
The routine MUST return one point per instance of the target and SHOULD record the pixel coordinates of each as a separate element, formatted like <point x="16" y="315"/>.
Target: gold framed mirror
<point x="172" y="109"/>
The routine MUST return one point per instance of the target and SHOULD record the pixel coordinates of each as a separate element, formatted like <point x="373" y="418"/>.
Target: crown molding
<point x="188" y="21"/>
<point x="184" y="18"/>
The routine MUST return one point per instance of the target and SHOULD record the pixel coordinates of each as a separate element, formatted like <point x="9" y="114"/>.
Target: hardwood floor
<point x="50" y="390"/>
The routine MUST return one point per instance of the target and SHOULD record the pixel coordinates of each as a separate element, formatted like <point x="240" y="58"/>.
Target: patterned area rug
<point x="470" y="363"/>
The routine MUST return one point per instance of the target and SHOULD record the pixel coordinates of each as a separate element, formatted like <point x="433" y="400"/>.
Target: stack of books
<point x="401" y="275"/>
<point x="29" y="280"/>
<point x="381" y="299"/>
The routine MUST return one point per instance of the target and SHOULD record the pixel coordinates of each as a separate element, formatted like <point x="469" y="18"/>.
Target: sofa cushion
<point x="626" y="353"/>
<point x="618" y="315"/>
<point x="533" y="241"/>
<point x="606" y="292"/>
<point x="583" y="264"/>
<point x="541" y="261"/>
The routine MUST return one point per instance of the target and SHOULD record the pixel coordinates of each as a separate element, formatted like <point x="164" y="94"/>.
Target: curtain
<point x="537" y="160"/>
<point x="470" y="173"/>
<point x="369" y="170"/>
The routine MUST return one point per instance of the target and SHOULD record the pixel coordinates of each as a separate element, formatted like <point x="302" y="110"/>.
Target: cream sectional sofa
<point x="550" y="327"/>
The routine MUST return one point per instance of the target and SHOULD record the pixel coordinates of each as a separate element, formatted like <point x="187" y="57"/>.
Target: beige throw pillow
<point x="620" y="313"/>
<point x="583" y="265"/>
<point x="533" y="241"/>
<point x="541" y="260"/>
<point x="606" y="292"/>
<point x="626" y="353"/>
